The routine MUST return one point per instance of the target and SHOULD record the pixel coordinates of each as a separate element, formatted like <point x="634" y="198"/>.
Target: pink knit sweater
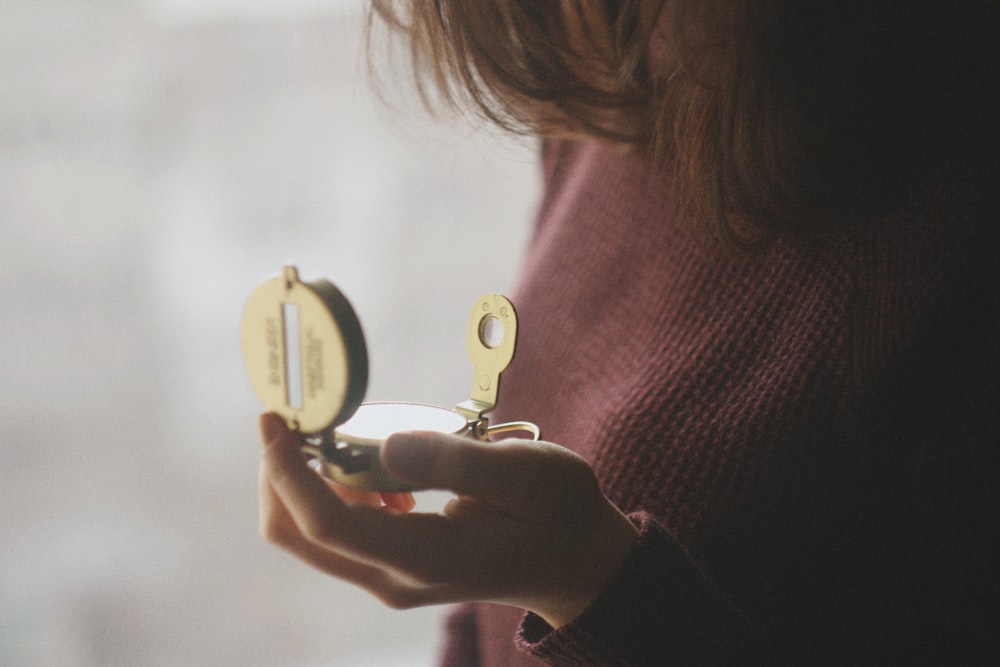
<point x="806" y="438"/>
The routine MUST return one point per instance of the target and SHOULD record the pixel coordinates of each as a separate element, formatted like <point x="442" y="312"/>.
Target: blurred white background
<point x="157" y="160"/>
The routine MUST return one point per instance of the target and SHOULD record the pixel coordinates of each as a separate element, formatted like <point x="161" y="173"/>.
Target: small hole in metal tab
<point x="491" y="331"/>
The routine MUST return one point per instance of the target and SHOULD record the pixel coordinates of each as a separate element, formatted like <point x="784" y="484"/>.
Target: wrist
<point x="594" y="568"/>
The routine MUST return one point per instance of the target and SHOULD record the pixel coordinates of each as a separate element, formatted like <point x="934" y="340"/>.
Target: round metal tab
<point x="490" y="342"/>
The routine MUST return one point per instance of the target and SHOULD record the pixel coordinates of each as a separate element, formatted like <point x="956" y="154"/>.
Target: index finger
<point x="401" y="541"/>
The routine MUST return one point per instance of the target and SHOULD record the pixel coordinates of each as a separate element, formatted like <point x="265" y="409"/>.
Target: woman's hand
<point x="529" y="526"/>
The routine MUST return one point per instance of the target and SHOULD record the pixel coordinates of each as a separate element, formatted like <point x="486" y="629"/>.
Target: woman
<point x="759" y="316"/>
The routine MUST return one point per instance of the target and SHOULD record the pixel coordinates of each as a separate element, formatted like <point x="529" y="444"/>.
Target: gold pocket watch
<point x="305" y="355"/>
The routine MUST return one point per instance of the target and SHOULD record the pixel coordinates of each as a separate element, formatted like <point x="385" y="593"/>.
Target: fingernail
<point x="405" y="455"/>
<point x="272" y="427"/>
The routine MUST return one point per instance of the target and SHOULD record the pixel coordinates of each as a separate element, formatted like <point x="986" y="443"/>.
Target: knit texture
<point x="803" y="436"/>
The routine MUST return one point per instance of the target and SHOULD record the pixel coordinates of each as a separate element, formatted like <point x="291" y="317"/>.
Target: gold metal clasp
<point x="490" y="341"/>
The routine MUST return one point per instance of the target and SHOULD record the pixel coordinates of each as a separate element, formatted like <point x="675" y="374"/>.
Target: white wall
<point x="155" y="164"/>
<point x="200" y="10"/>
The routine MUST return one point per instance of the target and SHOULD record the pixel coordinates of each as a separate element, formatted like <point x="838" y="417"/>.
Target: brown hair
<point x="766" y="114"/>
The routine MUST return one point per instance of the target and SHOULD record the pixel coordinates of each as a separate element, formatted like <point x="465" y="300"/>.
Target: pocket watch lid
<point x="304" y="351"/>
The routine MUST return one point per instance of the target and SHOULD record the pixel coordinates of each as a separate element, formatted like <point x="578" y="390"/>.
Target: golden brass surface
<point x="490" y="341"/>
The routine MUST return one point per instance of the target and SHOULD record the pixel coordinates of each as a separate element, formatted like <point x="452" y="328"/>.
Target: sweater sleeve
<point x="661" y="609"/>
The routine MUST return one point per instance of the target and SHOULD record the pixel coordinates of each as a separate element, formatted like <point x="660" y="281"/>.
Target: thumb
<point x="500" y="471"/>
<point x="274" y="431"/>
